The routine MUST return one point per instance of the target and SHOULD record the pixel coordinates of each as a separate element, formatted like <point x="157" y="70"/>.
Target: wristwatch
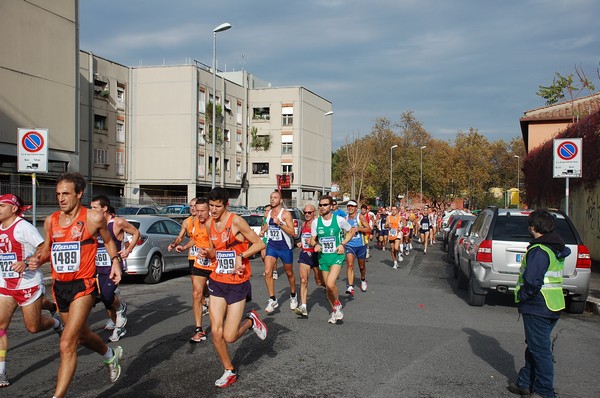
<point x="241" y="255"/>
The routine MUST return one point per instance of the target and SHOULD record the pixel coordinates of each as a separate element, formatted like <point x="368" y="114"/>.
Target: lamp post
<point x="423" y="147"/>
<point x="220" y="28"/>
<point x="324" y="156"/>
<point x="518" y="179"/>
<point x="391" y="186"/>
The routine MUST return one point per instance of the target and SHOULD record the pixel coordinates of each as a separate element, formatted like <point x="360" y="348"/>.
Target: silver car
<point x="150" y="256"/>
<point x="496" y="245"/>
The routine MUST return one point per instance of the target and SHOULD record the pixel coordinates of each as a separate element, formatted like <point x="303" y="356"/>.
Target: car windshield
<point x="170" y="210"/>
<point x="253" y="221"/>
<point x="514" y="228"/>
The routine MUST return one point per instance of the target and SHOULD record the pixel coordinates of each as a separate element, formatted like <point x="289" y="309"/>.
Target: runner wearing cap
<point x="356" y="247"/>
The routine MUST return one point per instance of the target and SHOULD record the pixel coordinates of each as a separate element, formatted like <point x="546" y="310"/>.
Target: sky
<point x="456" y="64"/>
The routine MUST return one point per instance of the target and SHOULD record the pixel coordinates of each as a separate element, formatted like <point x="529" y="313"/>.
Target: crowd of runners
<point x="87" y="250"/>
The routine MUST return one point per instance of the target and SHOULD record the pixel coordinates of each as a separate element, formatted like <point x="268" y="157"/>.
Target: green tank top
<point x="330" y="237"/>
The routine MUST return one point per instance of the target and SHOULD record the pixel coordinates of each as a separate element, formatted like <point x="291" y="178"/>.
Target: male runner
<point x="357" y="247"/>
<point x="279" y="228"/>
<point x="406" y="230"/>
<point x="265" y="238"/>
<point x="229" y="284"/>
<point x="117" y="227"/>
<point x="381" y="226"/>
<point x="187" y="229"/>
<point x="20" y="286"/>
<point x="326" y="238"/>
<point x="202" y="266"/>
<point x="307" y="259"/>
<point x="71" y="247"/>
<point x="393" y="224"/>
<point x="335" y="210"/>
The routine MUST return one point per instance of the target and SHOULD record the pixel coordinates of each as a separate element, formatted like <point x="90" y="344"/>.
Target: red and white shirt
<point x="17" y="242"/>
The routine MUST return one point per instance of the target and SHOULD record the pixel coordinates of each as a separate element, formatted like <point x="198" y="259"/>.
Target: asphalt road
<point x="412" y="334"/>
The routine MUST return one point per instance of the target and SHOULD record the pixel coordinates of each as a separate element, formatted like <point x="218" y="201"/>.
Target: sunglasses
<point x="324" y="204"/>
<point x="308" y="212"/>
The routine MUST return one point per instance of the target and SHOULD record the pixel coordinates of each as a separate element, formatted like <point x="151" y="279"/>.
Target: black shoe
<point x="515" y="389"/>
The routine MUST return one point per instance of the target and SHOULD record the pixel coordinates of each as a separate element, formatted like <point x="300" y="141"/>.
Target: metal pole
<point x="34" y="201"/>
<point x="423" y="147"/>
<point x="214" y="113"/>
<point x="391" y="175"/>
<point x="324" y="155"/>
<point x="567" y="196"/>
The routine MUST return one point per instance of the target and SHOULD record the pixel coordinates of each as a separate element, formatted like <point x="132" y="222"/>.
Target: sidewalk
<point x="594" y="295"/>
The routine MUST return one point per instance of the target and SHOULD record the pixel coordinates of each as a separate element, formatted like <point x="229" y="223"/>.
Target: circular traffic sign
<point x="32" y="141"/>
<point x="567" y="150"/>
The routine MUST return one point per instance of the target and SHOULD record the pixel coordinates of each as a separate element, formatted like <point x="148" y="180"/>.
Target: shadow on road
<point x="488" y="349"/>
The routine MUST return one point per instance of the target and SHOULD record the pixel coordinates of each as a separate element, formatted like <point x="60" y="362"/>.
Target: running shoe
<point x="198" y="336"/>
<point x="275" y="275"/>
<point x="350" y="290"/>
<point x="122" y="315"/>
<point x="395" y="265"/>
<point x="339" y="315"/>
<point x="410" y="246"/>
<point x="4" y="380"/>
<point x="259" y="327"/>
<point x="363" y="286"/>
<point x="425" y="252"/>
<point x="293" y="302"/>
<point x="332" y="318"/>
<point x="110" y="325"/>
<point x="228" y="378"/>
<point x="368" y="253"/>
<point x="301" y="310"/>
<point x="204" y="309"/>
<point x="271" y="305"/>
<point x="400" y="258"/>
<point x="58" y="329"/>
<point x="383" y="248"/>
<point x="337" y="306"/>
<point x="406" y="252"/>
<point x="117" y="334"/>
<point x="113" y="364"/>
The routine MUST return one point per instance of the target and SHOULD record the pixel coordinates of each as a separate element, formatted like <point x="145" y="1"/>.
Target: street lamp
<point x="324" y="156"/>
<point x="391" y="186"/>
<point x="518" y="178"/>
<point x="220" y="28"/>
<point x="423" y="147"/>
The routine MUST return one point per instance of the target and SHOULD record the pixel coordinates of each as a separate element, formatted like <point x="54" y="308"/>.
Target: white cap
<point x="352" y="203"/>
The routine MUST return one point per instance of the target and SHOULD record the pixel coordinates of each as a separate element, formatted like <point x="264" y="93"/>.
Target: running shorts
<point x="232" y="293"/>
<point x="23" y="297"/>
<point x="308" y="258"/>
<point x="201" y="272"/>
<point x="286" y="255"/>
<point x="107" y="290"/>
<point x="360" y="252"/>
<point x="67" y="292"/>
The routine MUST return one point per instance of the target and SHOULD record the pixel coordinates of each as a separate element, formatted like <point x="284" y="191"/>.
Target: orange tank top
<point x="73" y="249"/>
<point x="190" y="231"/>
<point x="201" y="240"/>
<point x="227" y="248"/>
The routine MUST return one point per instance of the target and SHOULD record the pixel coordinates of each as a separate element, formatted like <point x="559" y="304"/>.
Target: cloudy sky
<point x="455" y="63"/>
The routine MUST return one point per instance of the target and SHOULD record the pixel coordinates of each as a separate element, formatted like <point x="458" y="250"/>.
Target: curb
<point x="593" y="305"/>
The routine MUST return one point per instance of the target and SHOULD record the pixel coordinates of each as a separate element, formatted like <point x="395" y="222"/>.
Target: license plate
<point x="519" y="258"/>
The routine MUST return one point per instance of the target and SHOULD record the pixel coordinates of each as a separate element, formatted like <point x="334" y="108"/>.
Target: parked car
<point x="498" y="241"/>
<point x="452" y="222"/>
<point x="175" y="209"/>
<point x="133" y="210"/>
<point x="448" y="214"/>
<point x="255" y="223"/>
<point x="298" y="217"/>
<point x="461" y="247"/>
<point x="150" y="256"/>
<point x="457" y="228"/>
<point x="240" y="210"/>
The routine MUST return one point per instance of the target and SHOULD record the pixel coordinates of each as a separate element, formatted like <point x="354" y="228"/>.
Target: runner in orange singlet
<point x="393" y="224"/>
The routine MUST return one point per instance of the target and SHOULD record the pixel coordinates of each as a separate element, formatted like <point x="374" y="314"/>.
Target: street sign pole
<point x="567" y="196"/>
<point x="33" y="189"/>
<point x="32" y="156"/>
<point x="567" y="162"/>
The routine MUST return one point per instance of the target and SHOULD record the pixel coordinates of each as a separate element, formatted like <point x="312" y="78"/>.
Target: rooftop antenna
<point x="243" y="62"/>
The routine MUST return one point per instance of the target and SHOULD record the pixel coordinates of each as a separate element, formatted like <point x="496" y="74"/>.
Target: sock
<point x="273" y="298"/>
<point x="293" y="294"/>
<point x="199" y="329"/>
<point x="3" y="367"/>
<point x="109" y="354"/>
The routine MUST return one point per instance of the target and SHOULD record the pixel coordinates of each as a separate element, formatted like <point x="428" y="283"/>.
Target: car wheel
<point x="463" y="281"/>
<point x="575" y="307"/>
<point x="154" y="270"/>
<point x="476" y="300"/>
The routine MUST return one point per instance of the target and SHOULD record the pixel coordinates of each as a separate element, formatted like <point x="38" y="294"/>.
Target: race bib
<point x="6" y="262"/>
<point x="327" y="244"/>
<point x="193" y="251"/>
<point x="225" y="262"/>
<point x="66" y="257"/>
<point x="203" y="261"/>
<point x="425" y="226"/>
<point x="305" y="240"/>
<point x="274" y="233"/>
<point x="393" y="231"/>
<point x="102" y="258"/>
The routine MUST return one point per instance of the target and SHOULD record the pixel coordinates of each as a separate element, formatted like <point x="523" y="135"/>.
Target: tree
<point x="563" y="85"/>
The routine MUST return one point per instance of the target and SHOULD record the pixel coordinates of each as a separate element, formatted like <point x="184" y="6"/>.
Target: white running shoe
<point x="122" y="315"/>
<point x="368" y="253"/>
<point x="293" y="302"/>
<point x="400" y="259"/>
<point x="350" y="290"/>
<point x="110" y="325"/>
<point x="383" y="248"/>
<point x="332" y="318"/>
<point x="259" y="327"/>
<point x="275" y="275"/>
<point x="301" y="310"/>
<point x="363" y="286"/>
<point x="339" y="315"/>
<point x="228" y="378"/>
<point x="58" y="329"/>
<point x="113" y="364"/>
<point x="204" y="309"/>
<point x="395" y="265"/>
<point x="117" y="334"/>
<point x="271" y="305"/>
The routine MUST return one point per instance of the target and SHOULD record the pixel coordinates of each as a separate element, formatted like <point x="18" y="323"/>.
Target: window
<point x="287" y="115"/>
<point x="226" y="135"/>
<point x="100" y="156"/>
<point x="120" y="162"/>
<point x="100" y="123"/>
<point x="240" y="113"/>
<point x="120" y="94"/>
<point x="228" y="105"/>
<point x="120" y="131"/>
<point x="286" y="168"/>
<point x="261" y="114"/>
<point x="100" y="88"/>
<point x="227" y="167"/>
<point x="260" y="168"/>
<point x="218" y="170"/>
<point x="201" y="165"/>
<point x="201" y="101"/>
<point x="287" y="144"/>
<point x="201" y="140"/>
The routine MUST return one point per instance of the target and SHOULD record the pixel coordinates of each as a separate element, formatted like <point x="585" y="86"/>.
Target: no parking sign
<point x="32" y="150"/>
<point x="567" y="157"/>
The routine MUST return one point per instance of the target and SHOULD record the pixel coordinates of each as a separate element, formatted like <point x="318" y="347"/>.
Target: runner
<point x="424" y="226"/>
<point x="71" y="247"/>
<point x="117" y="227"/>
<point x="381" y="226"/>
<point x="432" y="226"/>
<point x="307" y="259"/>
<point x="20" y="286"/>
<point x="187" y="229"/>
<point x="202" y="266"/>
<point x="357" y="246"/>
<point x="280" y="229"/>
<point x="326" y="238"/>
<point x="230" y="281"/>
<point x="365" y="210"/>
<point x="407" y="226"/>
<point x="393" y="224"/>
<point x="335" y="210"/>
<point x="265" y="238"/>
